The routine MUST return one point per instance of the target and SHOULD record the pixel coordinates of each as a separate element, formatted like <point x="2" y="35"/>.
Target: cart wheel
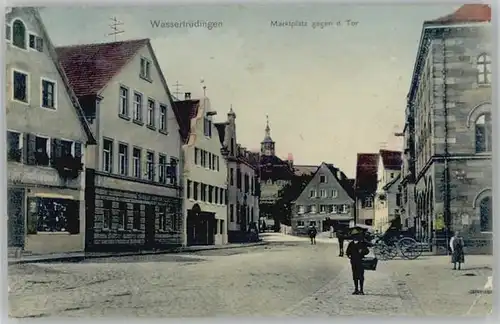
<point x="410" y="249"/>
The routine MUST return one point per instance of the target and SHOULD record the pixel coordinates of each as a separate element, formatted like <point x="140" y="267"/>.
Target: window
<point x="42" y="150"/>
<point x="137" y="216"/>
<point x="8" y="32"/>
<point x="231" y="176"/>
<point x="302" y="209"/>
<point x="322" y="179"/>
<point x="367" y="203"/>
<point x="67" y="148"/>
<point x="322" y="193"/>
<point x="483" y="69"/>
<point x="196" y="155"/>
<point x="231" y="213"/>
<point x="107" y="214"/>
<point x="137" y="107"/>
<point x="203" y="193"/>
<point x="392" y="175"/>
<point x="334" y="193"/>
<point x="203" y="158"/>
<point x="221" y="226"/>
<point x="210" y="160"/>
<point x="300" y="223"/>
<point x="150" y="160"/>
<point x="312" y="193"/>
<point x="333" y="209"/>
<point x="322" y="209"/>
<point x="123" y="159"/>
<point x="20" y="82"/>
<point x="345" y="209"/>
<point x="19" y="34"/>
<point x="196" y="186"/>
<point x="210" y="194"/>
<point x="136" y="162"/>
<point x="485" y="213"/>
<point x="107" y="156"/>
<point x="312" y="223"/>
<point x="162" y="169"/>
<point x="48" y="94"/>
<point x="151" y="112"/>
<point x="145" y="69"/>
<point x="122" y="215"/>
<point x="188" y="189"/>
<point x="163" y="117"/>
<point x="313" y="209"/>
<point x="123" y="101"/>
<point x="163" y="224"/>
<point x="14" y="146"/>
<point x="483" y="131"/>
<point x="36" y="43"/>
<point x="207" y="127"/>
<point x="214" y="161"/>
<point x="172" y="170"/>
<point x="223" y="200"/>
<point x="238" y="178"/>
<point x="217" y="160"/>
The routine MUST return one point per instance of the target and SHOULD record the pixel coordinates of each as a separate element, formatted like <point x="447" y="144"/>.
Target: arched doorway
<point x="485" y="220"/>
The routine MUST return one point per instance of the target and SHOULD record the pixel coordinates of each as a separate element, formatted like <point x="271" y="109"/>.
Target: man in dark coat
<point x="356" y="251"/>
<point x="341" y="237"/>
<point x="312" y="234"/>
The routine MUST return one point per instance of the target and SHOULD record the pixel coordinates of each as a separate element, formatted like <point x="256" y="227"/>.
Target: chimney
<point x="187" y="96"/>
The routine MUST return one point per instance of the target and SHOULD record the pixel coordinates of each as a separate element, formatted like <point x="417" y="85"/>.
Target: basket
<point x="370" y="264"/>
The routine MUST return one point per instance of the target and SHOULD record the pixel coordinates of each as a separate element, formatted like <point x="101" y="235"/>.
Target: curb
<point x="78" y="258"/>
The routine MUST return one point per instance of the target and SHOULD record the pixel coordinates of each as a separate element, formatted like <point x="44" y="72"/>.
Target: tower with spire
<point x="267" y="145"/>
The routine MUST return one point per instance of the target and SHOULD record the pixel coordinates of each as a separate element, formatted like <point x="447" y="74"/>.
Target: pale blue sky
<point x="330" y="93"/>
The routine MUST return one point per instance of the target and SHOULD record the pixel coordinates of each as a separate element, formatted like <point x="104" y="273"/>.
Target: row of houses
<point x="442" y="181"/>
<point x="101" y="156"/>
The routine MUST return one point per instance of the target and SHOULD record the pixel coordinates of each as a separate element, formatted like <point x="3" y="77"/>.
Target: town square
<point x="239" y="160"/>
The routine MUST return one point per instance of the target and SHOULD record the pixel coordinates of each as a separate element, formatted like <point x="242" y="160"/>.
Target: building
<point x="274" y="175"/>
<point x="388" y="197"/>
<point x="407" y="207"/>
<point x="327" y="200"/>
<point x="204" y="174"/>
<point x="133" y="196"/>
<point x="365" y="187"/>
<point x="46" y="140"/>
<point x="243" y="201"/>
<point x="449" y="104"/>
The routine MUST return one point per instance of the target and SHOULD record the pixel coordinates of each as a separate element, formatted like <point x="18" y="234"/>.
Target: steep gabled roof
<point x="366" y="173"/>
<point x="467" y="13"/>
<point x="221" y="129"/>
<point x="392" y="160"/>
<point x="90" y="67"/>
<point x="342" y="180"/>
<point x="304" y="169"/>
<point x="67" y="84"/>
<point x="184" y="111"/>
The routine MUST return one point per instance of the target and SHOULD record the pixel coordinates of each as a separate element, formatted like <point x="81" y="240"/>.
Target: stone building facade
<point x="242" y="184"/>
<point x="47" y="135"/>
<point x="133" y="191"/>
<point x="365" y="187"/>
<point x="449" y="107"/>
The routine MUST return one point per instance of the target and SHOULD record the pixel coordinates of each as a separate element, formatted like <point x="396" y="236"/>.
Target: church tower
<point x="267" y="145"/>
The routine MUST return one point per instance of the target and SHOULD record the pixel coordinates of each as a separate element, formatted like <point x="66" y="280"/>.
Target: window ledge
<point x="53" y="233"/>
<point x="138" y="122"/>
<point x="125" y="117"/>
<point x="152" y="127"/>
<point x="163" y="131"/>
<point x="143" y="77"/>
<point x="122" y="230"/>
<point x="49" y="108"/>
<point x="21" y="102"/>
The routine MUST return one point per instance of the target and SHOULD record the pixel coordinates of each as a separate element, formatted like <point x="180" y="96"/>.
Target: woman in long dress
<point x="457" y="251"/>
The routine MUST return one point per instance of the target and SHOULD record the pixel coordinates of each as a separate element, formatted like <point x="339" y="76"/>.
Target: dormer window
<point x="19" y="34"/>
<point x="145" y="69"/>
<point x="207" y="127"/>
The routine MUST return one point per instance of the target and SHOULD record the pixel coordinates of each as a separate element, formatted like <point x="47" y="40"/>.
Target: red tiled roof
<point x="184" y="111"/>
<point x="90" y="67"/>
<point x="366" y="173"/>
<point x="464" y="14"/>
<point x="392" y="160"/>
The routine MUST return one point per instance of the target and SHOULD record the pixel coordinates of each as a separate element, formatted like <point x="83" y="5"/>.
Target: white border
<point x="3" y="168"/>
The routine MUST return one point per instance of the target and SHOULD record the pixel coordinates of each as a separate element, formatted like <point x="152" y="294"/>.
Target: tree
<point x="283" y="208"/>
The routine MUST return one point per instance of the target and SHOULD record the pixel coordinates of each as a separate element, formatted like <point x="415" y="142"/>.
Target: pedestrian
<point x="312" y="234"/>
<point x="356" y="251"/>
<point x="331" y="231"/>
<point x="341" y="238"/>
<point x="457" y="250"/>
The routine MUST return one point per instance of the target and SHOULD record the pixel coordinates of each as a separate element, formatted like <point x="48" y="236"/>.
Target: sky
<point x="330" y="92"/>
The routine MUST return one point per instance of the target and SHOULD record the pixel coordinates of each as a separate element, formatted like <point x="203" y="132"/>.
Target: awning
<point x="52" y="195"/>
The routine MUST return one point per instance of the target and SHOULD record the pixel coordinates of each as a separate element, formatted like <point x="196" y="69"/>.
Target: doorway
<point x="149" y="227"/>
<point x="16" y="219"/>
<point x="201" y="227"/>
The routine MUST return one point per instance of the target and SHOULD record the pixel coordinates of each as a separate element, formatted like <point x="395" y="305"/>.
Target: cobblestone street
<point x="281" y="279"/>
